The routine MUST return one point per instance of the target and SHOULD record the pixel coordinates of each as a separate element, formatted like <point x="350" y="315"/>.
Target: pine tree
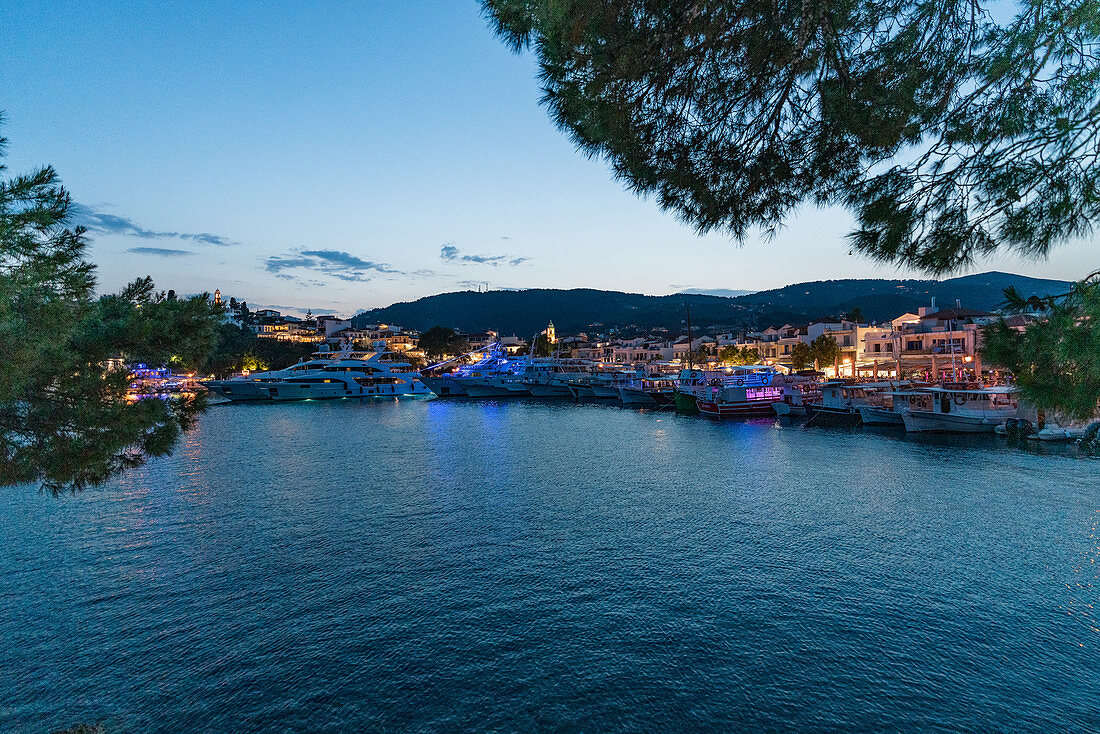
<point x="1056" y="359"/>
<point x="65" y="420"/>
<point x="947" y="132"/>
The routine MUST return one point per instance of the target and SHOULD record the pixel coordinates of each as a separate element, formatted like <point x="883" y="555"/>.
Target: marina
<point x="754" y="391"/>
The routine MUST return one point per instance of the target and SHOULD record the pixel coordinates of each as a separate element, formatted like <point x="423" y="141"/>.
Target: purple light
<point x="763" y="393"/>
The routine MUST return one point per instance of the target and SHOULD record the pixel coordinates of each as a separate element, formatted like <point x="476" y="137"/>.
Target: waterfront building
<point x="932" y="341"/>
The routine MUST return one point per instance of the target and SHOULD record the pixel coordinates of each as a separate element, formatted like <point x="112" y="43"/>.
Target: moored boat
<point x="741" y="392"/>
<point x="953" y="410"/>
<point x="349" y="373"/>
<point x="495" y="375"/>
<point x="841" y="401"/>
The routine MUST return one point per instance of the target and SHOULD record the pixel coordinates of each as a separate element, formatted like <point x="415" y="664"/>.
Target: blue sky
<point x="345" y="155"/>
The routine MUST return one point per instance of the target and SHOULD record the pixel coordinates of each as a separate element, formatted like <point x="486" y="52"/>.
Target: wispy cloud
<point x="298" y="309"/>
<point x="333" y="263"/>
<point x="103" y="223"/>
<point x="159" y="251"/>
<point x="450" y="253"/>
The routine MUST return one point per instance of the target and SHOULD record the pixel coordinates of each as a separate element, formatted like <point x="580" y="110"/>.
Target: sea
<point x="425" y="565"/>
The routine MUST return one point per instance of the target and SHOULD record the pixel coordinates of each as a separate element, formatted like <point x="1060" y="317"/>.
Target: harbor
<point x="805" y="397"/>
<point x="540" y="366"/>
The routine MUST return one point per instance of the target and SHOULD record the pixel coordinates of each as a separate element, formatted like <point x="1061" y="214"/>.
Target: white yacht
<point x="494" y="375"/>
<point x="950" y="410"/>
<point x="553" y="377"/>
<point x="348" y="373"/>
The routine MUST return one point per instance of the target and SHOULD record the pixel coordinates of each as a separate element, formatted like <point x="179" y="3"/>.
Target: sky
<point x="346" y="155"/>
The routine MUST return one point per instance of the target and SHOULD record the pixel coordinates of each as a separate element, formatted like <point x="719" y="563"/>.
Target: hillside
<point x="527" y="312"/>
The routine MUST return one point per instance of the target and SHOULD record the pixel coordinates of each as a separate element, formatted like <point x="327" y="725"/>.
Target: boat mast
<point x="691" y="365"/>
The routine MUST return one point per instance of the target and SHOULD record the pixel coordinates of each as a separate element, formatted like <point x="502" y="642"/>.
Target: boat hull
<point x="605" y="393"/>
<point x="663" y="399"/>
<point x="919" y="421"/>
<point x="713" y="409"/>
<point x="540" y="390"/>
<point x="879" y="416"/>
<point x="444" y="386"/>
<point x="239" y="391"/>
<point x="631" y="396"/>
<point x="281" y="392"/>
<point x="834" y="416"/>
<point x="483" y="390"/>
<point x="686" y="403"/>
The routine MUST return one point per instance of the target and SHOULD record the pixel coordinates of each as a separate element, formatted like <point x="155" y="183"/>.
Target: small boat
<point x="953" y="410"/>
<point x="657" y="390"/>
<point x="800" y="392"/>
<point x="841" y="401"/>
<point x="885" y="407"/>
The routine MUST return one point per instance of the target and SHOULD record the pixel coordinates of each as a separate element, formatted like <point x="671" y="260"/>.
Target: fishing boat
<point x="742" y="392"/>
<point x="688" y="388"/>
<point x="841" y="401"/>
<point x="885" y="407"/>
<point x="800" y="391"/>
<point x="604" y="384"/>
<point x="653" y="390"/>
<point x="956" y="410"/>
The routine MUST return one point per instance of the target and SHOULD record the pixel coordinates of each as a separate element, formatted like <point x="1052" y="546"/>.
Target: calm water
<point x="429" y="565"/>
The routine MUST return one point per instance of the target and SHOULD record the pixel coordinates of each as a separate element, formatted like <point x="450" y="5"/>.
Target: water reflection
<point x="521" y="564"/>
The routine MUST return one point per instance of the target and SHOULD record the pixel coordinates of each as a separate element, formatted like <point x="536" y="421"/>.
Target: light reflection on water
<point x="531" y="565"/>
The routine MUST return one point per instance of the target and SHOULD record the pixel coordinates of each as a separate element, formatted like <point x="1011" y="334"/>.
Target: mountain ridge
<point x="526" y="312"/>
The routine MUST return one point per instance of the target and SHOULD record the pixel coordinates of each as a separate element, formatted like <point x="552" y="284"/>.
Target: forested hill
<point x="526" y="312"/>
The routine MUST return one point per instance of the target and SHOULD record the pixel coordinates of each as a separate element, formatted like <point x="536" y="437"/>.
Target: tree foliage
<point x="823" y="350"/>
<point x="542" y="347"/>
<point x="948" y="132"/>
<point x="238" y="349"/>
<point x="439" y="341"/>
<point x="65" y="420"/>
<point x="1056" y="359"/>
<point x="737" y="356"/>
<point x="699" y="355"/>
<point x="801" y="356"/>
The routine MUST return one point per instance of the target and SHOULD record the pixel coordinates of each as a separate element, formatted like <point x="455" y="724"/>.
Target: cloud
<point x="333" y="263"/>
<point x="298" y="309"/>
<point x="161" y="251"/>
<point x="450" y="253"/>
<point x="103" y="223"/>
